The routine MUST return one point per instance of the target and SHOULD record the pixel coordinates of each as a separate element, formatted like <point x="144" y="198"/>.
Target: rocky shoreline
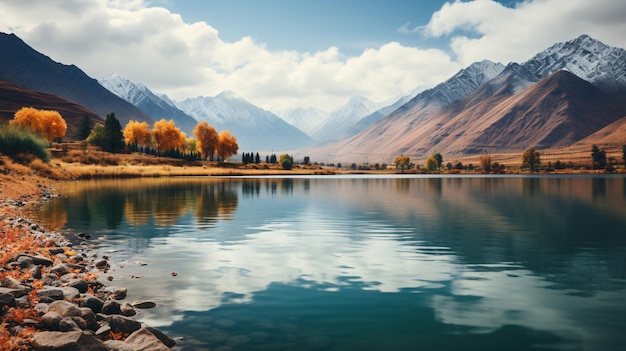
<point x="50" y="294"/>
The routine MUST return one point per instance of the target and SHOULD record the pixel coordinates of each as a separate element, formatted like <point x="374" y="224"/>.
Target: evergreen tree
<point x="84" y="129"/>
<point x="598" y="157"/>
<point x="257" y="159"/>
<point x="114" y="138"/>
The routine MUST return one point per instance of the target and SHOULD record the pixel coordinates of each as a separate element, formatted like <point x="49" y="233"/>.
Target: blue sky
<point x="281" y="54"/>
<point x="350" y="25"/>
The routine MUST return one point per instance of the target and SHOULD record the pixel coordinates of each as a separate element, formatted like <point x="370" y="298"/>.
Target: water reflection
<point x="486" y="262"/>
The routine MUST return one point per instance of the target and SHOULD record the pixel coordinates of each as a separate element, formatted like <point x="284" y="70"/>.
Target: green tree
<point x="285" y="161"/>
<point x="96" y="137"/>
<point x="113" y="136"/>
<point x="598" y="158"/>
<point x="531" y="159"/>
<point x="431" y="163"/>
<point x="485" y="163"/>
<point x="84" y="128"/>
<point x="437" y="156"/>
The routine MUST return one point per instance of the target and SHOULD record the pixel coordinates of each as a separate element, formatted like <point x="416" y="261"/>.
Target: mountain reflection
<point x="476" y="254"/>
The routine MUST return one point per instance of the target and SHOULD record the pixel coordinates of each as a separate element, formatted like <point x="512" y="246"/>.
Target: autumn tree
<point x="431" y="163"/>
<point x="402" y="162"/>
<point x="46" y="123"/>
<point x="207" y="140"/>
<point x="136" y="134"/>
<point x="531" y="159"/>
<point x="167" y="136"/>
<point x="227" y="145"/>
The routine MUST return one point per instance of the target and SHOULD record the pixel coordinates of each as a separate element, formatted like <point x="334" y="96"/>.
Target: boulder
<point x="144" y="340"/>
<point x="64" y="309"/>
<point x="65" y="341"/>
<point x="127" y="310"/>
<point x="51" y="320"/>
<point x="117" y="345"/>
<point x="70" y="293"/>
<point x="80" y="284"/>
<point x="111" y="307"/>
<point x="92" y="302"/>
<point x="169" y="342"/>
<point x="144" y="304"/>
<point x="49" y="294"/>
<point x="7" y="300"/>
<point x="122" y="324"/>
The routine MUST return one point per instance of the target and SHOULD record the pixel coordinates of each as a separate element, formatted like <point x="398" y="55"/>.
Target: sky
<point x="284" y="54"/>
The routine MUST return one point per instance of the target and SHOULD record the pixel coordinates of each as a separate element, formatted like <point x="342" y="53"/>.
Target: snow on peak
<point x="585" y="57"/>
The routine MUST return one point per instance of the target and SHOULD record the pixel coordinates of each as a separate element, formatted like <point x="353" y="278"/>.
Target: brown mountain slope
<point x="614" y="133"/>
<point x="13" y="97"/>
<point x="21" y="64"/>
<point x="559" y="110"/>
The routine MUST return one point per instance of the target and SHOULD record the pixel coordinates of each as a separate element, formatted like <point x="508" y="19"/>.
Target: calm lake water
<point x="365" y="263"/>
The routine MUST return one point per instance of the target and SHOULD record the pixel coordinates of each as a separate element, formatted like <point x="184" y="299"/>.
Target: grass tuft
<point x="19" y="144"/>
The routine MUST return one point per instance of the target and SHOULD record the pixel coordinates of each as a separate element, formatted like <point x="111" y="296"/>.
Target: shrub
<point x="286" y="161"/>
<point x="15" y="141"/>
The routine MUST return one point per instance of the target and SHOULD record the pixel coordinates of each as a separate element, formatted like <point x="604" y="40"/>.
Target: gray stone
<point x="60" y="269"/>
<point x="92" y="302"/>
<point x="127" y="310"/>
<point x="13" y="292"/>
<point x="68" y="324"/>
<point x="103" y="332"/>
<point x="51" y="320"/>
<point x="102" y="264"/>
<point x="49" y="294"/>
<point x="39" y="260"/>
<point x="70" y="293"/>
<point x="66" y="341"/>
<point x="116" y="293"/>
<point x="64" y="308"/>
<point x="111" y="307"/>
<point x="144" y="304"/>
<point x="144" y="340"/>
<point x="117" y="345"/>
<point x="80" y="284"/>
<point x="8" y="300"/>
<point x="122" y="324"/>
<point x="169" y="342"/>
<point x="25" y="261"/>
<point x="89" y="317"/>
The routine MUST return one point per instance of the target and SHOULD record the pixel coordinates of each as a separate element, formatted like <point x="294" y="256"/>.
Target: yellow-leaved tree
<point x="207" y="140"/>
<point x="227" y="145"/>
<point x="167" y="136"/>
<point x="137" y="134"/>
<point x="46" y="123"/>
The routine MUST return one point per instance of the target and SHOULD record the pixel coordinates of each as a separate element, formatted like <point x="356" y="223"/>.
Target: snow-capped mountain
<point x="254" y="128"/>
<point x="305" y="119"/>
<point x="589" y="59"/>
<point x="344" y="118"/>
<point x="156" y="106"/>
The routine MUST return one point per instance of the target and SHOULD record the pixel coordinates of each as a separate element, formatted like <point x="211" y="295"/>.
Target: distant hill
<point x="13" y="97"/>
<point x="22" y="65"/>
<point x="156" y="106"/>
<point x="254" y="128"/>
<point x="558" y="97"/>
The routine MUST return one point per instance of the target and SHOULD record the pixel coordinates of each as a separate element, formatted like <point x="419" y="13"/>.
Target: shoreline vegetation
<point x="51" y="293"/>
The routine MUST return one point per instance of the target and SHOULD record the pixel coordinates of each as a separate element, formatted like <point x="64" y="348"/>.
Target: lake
<point x="365" y="262"/>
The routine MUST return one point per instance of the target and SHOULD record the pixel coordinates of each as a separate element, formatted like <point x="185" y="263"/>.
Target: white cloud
<point x="486" y="29"/>
<point x="153" y="46"/>
<point x="157" y="48"/>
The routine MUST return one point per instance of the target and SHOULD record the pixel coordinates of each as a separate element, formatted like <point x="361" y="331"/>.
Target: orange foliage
<point x="137" y="133"/>
<point x="46" y="123"/>
<point x="207" y="139"/>
<point x="167" y="136"/>
<point x="227" y="145"/>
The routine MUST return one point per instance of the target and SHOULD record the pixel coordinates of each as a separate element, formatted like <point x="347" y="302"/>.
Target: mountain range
<point x="560" y="96"/>
<point x="571" y="93"/>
